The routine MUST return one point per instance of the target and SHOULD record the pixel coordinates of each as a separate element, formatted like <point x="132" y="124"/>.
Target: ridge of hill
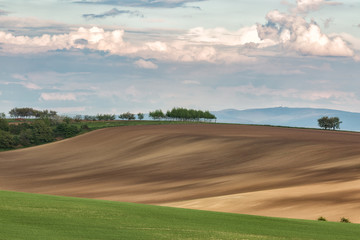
<point x="272" y="171"/>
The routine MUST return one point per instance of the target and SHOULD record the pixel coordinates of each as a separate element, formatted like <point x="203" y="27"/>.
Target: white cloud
<point x="157" y="46"/>
<point x="25" y="82"/>
<point x="293" y="32"/>
<point x="222" y="36"/>
<point x="304" y="6"/>
<point x="28" y="22"/>
<point x="93" y="38"/>
<point x="58" y="97"/>
<point x="353" y="41"/>
<point x="31" y="86"/>
<point x="112" y="41"/>
<point x="288" y="31"/>
<point x="19" y="77"/>
<point x="28" y="85"/>
<point x="190" y="82"/>
<point x="146" y="64"/>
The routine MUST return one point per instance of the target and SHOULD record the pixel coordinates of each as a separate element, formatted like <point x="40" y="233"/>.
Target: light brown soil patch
<point x="286" y="172"/>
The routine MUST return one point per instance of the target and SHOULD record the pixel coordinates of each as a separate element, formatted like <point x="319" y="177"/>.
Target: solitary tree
<point x="329" y="122"/>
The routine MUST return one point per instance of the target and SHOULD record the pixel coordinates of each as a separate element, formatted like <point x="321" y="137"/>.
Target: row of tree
<point x="110" y="117"/>
<point x="178" y="114"/>
<point x="98" y="117"/>
<point x="183" y="114"/>
<point x="31" y="113"/>
<point x="131" y="116"/>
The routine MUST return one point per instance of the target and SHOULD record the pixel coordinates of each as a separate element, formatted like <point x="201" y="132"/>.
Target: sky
<point x="114" y="56"/>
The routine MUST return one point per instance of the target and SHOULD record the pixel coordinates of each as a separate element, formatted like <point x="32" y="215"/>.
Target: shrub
<point x="85" y="127"/>
<point x="6" y="140"/>
<point x="67" y="120"/>
<point x="16" y="129"/>
<point x="66" y="130"/>
<point x="26" y="137"/>
<point x="4" y="125"/>
<point x="42" y="132"/>
<point x="345" y="220"/>
<point x="322" y="219"/>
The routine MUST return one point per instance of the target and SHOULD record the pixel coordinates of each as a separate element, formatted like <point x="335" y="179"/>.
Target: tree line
<point x="177" y="114"/>
<point x="183" y="114"/>
<point x="31" y="113"/>
<point x="46" y="127"/>
<point x="43" y="126"/>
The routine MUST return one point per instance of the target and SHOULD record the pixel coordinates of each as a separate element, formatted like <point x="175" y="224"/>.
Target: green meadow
<point x="34" y="216"/>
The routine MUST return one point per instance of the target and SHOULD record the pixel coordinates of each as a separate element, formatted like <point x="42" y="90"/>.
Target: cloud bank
<point x="112" y="42"/>
<point x="146" y="64"/>
<point x="283" y="33"/>
<point x="58" y="97"/>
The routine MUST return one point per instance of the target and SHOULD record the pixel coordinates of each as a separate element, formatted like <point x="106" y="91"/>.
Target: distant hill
<point x="283" y="116"/>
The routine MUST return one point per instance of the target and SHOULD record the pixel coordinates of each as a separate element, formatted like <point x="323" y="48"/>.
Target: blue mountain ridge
<point x="291" y="117"/>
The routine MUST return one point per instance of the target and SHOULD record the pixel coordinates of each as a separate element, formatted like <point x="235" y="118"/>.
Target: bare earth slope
<point x="285" y="172"/>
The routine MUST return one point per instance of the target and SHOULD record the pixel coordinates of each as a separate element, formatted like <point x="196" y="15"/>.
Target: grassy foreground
<point x="33" y="216"/>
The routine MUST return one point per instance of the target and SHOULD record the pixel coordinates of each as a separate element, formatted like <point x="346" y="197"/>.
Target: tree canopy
<point x="127" y="116"/>
<point x="329" y="122"/>
<point x="183" y="114"/>
<point x="157" y="114"/>
<point x="30" y="112"/>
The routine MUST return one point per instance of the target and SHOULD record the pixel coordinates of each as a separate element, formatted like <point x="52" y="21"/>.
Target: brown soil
<point x="285" y="172"/>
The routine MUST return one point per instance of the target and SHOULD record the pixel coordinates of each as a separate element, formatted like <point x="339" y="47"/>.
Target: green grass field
<point x="33" y="216"/>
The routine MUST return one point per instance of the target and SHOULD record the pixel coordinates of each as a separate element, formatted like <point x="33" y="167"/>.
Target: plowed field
<point x="284" y="172"/>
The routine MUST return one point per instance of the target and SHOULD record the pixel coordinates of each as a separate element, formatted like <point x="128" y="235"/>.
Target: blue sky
<point x="113" y="56"/>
